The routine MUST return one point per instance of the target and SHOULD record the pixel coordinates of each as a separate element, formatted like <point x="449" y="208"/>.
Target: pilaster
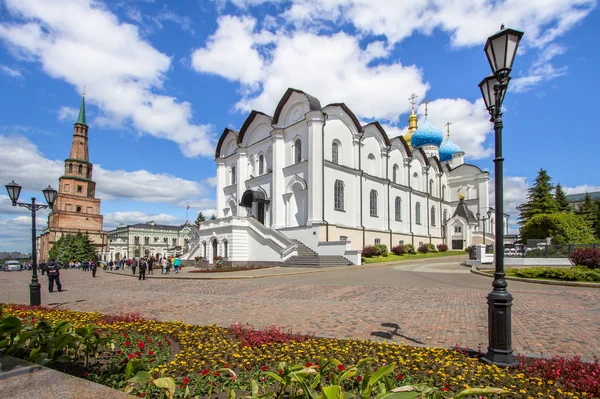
<point x="315" y="122"/>
<point x="241" y="170"/>
<point x="221" y="182"/>
<point x="278" y="183"/>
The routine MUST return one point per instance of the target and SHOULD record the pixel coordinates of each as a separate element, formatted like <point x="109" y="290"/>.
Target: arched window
<point x="261" y="165"/>
<point x="89" y="170"/>
<point x="373" y="203"/>
<point x="431" y="186"/>
<point x="445" y="216"/>
<point x="233" y="177"/>
<point x="418" y="213"/>
<point x="398" y="208"/>
<point x="204" y="249"/>
<point x="338" y="195"/>
<point x="297" y="151"/>
<point x="70" y="168"/>
<point x="335" y="153"/>
<point x="80" y="169"/>
<point x="225" y="249"/>
<point x="395" y="173"/>
<point x="432" y="216"/>
<point x="444" y="191"/>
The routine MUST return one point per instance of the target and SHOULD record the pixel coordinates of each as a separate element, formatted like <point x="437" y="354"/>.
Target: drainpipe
<point x="323" y="178"/>
<point x="410" y="205"/>
<point x="361" y="190"/>
<point x="441" y="202"/>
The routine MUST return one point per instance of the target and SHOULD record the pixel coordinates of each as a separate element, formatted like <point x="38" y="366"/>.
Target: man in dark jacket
<point x="151" y="265"/>
<point x="143" y="266"/>
<point x="93" y="266"/>
<point x="134" y="264"/>
<point x="52" y="269"/>
<point x="42" y="267"/>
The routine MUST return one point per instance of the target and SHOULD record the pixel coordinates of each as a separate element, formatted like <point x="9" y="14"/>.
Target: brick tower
<point x="76" y="208"/>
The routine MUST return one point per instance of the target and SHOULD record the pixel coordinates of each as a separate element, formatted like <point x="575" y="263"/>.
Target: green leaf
<point x="231" y="394"/>
<point x="480" y="391"/>
<point x="380" y="373"/>
<point x="273" y="376"/>
<point x="131" y="368"/>
<point x="332" y="392"/>
<point x="399" y="395"/>
<point x="254" y="388"/>
<point x="167" y="383"/>
<point x="141" y="378"/>
<point x="11" y="325"/>
<point x="351" y="372"/>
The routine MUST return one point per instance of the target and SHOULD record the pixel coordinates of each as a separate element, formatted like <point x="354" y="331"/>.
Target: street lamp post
<point x="484" y="220"/>
<point x="14" y="190"/>
<point x="500" y="50"/>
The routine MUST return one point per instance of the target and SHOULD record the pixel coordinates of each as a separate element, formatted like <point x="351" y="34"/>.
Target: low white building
<point x="312" y="178"/>
<point x="147" y="239"/>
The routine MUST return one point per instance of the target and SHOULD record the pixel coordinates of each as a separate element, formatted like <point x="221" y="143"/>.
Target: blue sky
<point x="163" y="79"/>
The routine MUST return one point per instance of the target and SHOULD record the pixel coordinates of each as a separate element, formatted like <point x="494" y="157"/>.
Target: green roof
<point x="81" y="119"/>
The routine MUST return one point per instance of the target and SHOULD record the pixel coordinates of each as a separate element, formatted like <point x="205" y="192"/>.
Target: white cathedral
<point x="311" y="185"/>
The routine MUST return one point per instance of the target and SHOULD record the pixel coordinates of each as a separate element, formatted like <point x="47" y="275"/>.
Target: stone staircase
<point x="308" y="258"/>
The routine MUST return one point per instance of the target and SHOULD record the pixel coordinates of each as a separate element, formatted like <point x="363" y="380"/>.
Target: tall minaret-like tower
<point x="76" y="208"/>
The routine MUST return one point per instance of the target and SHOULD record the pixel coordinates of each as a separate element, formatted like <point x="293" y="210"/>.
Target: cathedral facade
<point x="76" y="208"/>
<point x="313" y="176"/>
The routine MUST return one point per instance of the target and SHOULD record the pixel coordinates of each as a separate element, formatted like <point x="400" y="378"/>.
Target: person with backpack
<point x="177" y="264"/>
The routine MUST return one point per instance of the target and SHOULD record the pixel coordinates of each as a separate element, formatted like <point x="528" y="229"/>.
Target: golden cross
<point x="413" y="100"/>
<point x="426" y="102"/>
<point x="448" y="127"/>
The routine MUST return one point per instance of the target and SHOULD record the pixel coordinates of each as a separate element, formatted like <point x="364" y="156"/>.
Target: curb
<point x="319" y="270"/>
<point x="536" y="281"/>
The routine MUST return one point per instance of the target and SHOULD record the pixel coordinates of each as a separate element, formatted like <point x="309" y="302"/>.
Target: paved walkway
<point x="434" y="303"/>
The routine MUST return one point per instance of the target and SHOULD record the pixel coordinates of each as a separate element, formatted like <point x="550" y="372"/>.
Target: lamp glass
<point x="487" y="91"/>
<point x="490" y="213"/>
<point x="14" y="190"/>
<point x="501" y="49"/>
<point x="50" y="195"/>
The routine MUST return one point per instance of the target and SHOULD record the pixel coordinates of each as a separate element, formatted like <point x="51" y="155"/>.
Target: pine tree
<point x="588" y="209"/>
<point x="199" y="219"/>
<point x="561" y="199"/>
<point x="213" y="217"/>
<point x="539" y="199"/>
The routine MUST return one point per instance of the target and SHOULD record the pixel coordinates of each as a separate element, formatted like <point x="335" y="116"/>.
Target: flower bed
<point x="209" y="360"/>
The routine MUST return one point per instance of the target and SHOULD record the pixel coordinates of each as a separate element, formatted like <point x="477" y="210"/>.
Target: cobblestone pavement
<point x="436" y="303"/>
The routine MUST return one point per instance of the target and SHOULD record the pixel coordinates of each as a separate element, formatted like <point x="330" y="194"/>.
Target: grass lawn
<point x="391" y="257"/>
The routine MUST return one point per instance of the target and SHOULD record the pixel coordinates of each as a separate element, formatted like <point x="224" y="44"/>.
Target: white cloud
<point x="113" y="220"/>
<point x="23" y="162"/>
<point x="121" y="71"/>
<point x="585" y="188"/>
<point x="211" y="181"/>
<point x="68" y="113"/>
<point x="13" y="73"/>
<point x="541" y="70"/>
<point x="470" y="123"/>
<point x="515" y="193"/>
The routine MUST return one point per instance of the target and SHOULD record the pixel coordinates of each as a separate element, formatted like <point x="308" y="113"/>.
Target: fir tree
<point x="213" y="217"/>
<point x="199" y="219"/>
<point x="539" y="199"/>
<point x="561" y="199"/>
<point x="588" y="209"/>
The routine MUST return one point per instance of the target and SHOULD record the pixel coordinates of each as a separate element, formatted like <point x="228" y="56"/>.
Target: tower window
<point x="79" y="188"/>
<point x="395" y="174"/>
<point x="80" y="169"/>
<point x="297" y="151"/>
<point x="233" y="177"/>
<point x="338" y="195"/>
<point x="70" y="168"/>
<point x="261" y="165"/>
<point x="418" y="213"/>
<point x="433" y="216"/>
<point x="334" y="153"/>
<point x="398" y="209"/>
<point x="373" y="203"/>
<point x="78" y="208"/>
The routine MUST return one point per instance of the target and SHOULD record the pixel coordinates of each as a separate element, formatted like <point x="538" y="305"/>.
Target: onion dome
<point x="447" y="149"/>
<point x="426" y="134"/>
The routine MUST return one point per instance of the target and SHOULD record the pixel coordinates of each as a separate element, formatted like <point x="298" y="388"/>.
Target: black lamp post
<point x="484" y="219"/>
<point x="14" y="190"/>
<point x="500" y="50"/>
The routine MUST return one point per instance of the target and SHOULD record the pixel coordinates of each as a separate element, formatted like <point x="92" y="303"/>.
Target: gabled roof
<point x="405" y="144"/>
<point x="464" y="212"/>
<point x="437" y="161"/>
<point x="349" y="112"/>
<point x="382" y="131"/>
<point x="313" y="103"/>
<point x="226" y="131"/>
<point x="248" y="122"/>
<point x="422" y="152"/>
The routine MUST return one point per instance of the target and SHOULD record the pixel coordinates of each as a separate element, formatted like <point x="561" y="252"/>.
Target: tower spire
<point x="426" y="103"/>
<point x="448" y="127"/>
<point x="81" y="119"/>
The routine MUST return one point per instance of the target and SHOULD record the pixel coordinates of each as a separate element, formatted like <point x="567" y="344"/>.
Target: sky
<point x="164" y="78"/>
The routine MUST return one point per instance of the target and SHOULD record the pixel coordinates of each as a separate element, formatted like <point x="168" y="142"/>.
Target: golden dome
<point x="461" y="196"/>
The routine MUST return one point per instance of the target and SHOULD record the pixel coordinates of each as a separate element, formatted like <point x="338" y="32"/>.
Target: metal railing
<point x="544" y="251"/>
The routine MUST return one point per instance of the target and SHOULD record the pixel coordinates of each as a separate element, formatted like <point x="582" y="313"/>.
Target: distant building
<point x="76" y="208"/>
<point x="147" y="239"/>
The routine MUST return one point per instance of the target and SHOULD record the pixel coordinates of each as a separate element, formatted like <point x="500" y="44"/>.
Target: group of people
<point x="148" y="264"/>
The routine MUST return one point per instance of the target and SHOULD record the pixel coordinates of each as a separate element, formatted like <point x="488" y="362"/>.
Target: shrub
<point x="431" y="247"/>
<point x="382" y="249"/>
<point x="588" y="257"/>
<point x="564" y="228"/>
<point x="577" y="273"/>
<point x="423" y="249"/>
<point x="442" y="247"/>
<point x="369" y="251"/>
<point x="410" y="249"/>
<point x="399" y="250"/>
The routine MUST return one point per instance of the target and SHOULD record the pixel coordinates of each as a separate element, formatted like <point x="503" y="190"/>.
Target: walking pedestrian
<point x="42" y="267"/>
<point x="93" y="266"/>
<point x="52" y="269"/>
<point x="177" y="264"/>
<point x="151" y="265"/>
<point x="143" y="265"/>
<point x="134" y="264"/>
<point x="165" y="262"/>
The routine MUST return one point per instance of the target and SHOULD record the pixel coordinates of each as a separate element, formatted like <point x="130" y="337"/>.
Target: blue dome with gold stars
<point x="447" y="149"/>
<point x="426" y="134"/>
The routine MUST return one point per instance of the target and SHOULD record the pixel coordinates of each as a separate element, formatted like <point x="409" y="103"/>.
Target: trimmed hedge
<point x="369" y="251"/>
<point x="399" y="250"/>
<point x="442" y="247"/>
<point x="576" y="273"/>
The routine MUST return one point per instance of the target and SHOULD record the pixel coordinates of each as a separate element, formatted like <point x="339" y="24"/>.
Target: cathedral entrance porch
<point x="254" y="201"/>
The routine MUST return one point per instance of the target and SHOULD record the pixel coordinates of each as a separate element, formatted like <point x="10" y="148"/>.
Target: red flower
<point x="138" y="354"/>
<point x="127" y="344"/>
<point x="204" y="372"/>
<point x="107" y="335"/>
<point x="150" y="352"/>
<point x="85" y="374"/>
<point x="143" y="394"/>
<point x="181" y="386"/>
<point x="227" y="365"/>
<point x="400" y="376"/>
<point x="216" y="374"/>
<point x="140" y="344"/>
<point x="186" y="380"/>
<point x="264" y="368"/>
<point x="359" y="378"/>
<point x="280" y="371"/>
<point x="168" y="342"/>
<point x="341" y="367"/>
<point x="150" y="341"/>
<point x="130" y="356"/>
<point x="308" y="364"/>
<point x="125" y="335"/>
